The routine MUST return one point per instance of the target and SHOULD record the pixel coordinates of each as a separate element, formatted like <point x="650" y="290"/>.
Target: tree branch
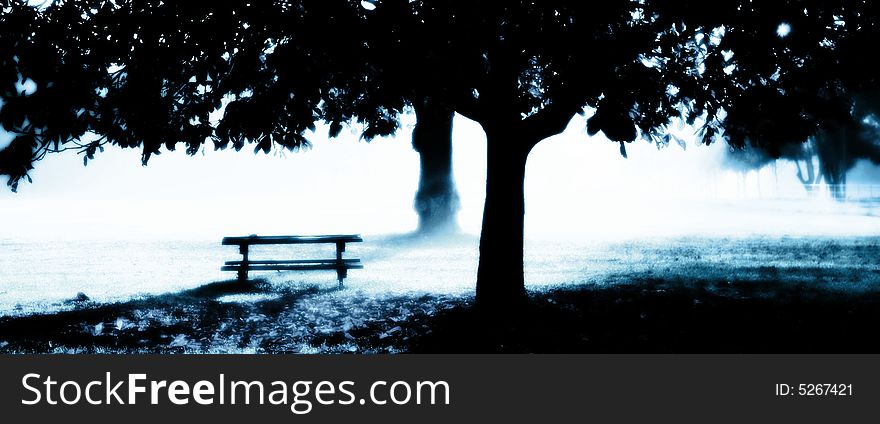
<point x="550" y="120"/>
<point x="467" y="106"/>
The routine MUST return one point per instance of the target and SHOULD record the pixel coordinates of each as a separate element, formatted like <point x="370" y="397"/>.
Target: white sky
<point x="575" y="186"/>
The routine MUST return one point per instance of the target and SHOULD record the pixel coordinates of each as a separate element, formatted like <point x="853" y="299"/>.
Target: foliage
<point x="148" y="73"/>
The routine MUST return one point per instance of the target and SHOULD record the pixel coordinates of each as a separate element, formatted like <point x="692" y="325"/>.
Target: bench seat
<point x="296" y="261"/>
<point x="251" y="240"/>
<point x="293" y="265"/>
<point x="290" y="267"/>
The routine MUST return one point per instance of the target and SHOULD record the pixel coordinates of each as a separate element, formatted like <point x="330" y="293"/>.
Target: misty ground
<point x="746" y="294"/>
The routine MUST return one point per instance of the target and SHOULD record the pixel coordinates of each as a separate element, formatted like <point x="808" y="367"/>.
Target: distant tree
<point x="841" y="145"/>
<point x="829" y="153"/>
<point x="764" y="74"/>
<point x="807" y="175"/>
<point x="826" y="94"/>
<point x="437" y="200"/>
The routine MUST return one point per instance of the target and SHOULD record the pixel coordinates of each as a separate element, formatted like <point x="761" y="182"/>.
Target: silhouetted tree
<point x="841" y="145"/>
<point x="436" y="201"/>
<point x="245" y="33"/>
<point x="827" y="155"/>
<point x="764" y="74"/>
<point x="149" y="74"/>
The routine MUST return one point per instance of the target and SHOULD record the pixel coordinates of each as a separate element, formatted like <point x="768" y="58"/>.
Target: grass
<point x="650" y="316"/>
<point x="661" y="316"/>
<point x="308" y="320"/>
<point x="750" y="295"/>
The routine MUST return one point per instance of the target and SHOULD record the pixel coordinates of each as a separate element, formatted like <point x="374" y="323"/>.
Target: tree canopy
<point x="149" y="74"/>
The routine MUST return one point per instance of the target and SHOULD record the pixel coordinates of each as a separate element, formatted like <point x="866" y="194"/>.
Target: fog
<point x="115" y="230"/>
<point x="576" y="186"/>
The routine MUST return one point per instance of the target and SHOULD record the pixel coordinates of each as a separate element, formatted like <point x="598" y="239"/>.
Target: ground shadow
<point x="643" y="315"/>
<point x="667" y="317"/>
<point x="157" y="323"/>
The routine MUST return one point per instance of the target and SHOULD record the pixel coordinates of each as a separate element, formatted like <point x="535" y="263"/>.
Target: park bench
<point x="245" y="265"/>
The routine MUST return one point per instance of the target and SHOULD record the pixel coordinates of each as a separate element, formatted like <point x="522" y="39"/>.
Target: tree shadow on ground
<point x="173" y="322"/>
<point x="669" y="317"/>
<point x="642" y="316"/>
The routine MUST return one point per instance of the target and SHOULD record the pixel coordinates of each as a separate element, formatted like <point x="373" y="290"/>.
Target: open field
<point x="749" y="294"/>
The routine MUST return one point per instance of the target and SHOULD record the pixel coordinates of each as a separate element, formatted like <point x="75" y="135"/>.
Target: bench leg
<point x="341" y="271"/>
<point x="243" y="272"/>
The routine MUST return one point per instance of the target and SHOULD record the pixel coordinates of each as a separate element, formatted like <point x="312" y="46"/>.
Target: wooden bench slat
<point x="303" y="267"/>
<point x="293" y="261"/>
<point x="252" y="240"/>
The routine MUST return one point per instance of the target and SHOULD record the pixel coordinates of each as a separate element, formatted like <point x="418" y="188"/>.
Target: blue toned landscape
<point x="169" y="296"/>
<point x="527" y="176"/>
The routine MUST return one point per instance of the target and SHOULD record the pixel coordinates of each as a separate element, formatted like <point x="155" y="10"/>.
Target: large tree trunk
<point x="500" y="284"/>
<point x="437" y="200"/>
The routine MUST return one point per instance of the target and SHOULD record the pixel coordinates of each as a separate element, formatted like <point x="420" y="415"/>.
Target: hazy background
<point x="575" y="186"/>
<point x="116" y="230"/>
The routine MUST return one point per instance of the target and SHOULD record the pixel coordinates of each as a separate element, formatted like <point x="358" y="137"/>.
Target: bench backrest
<point x="251" y="240"/>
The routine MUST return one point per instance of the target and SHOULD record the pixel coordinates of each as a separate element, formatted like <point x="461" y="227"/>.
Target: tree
<point x="148" y="74"/>
<point x="841" y="145"/>
<point x="765" y="75"/>
<point x="523" y="69"/>
<point x="498" y="65"/>
<point x="437" y="200"/>
<point x="829" y="153"/>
